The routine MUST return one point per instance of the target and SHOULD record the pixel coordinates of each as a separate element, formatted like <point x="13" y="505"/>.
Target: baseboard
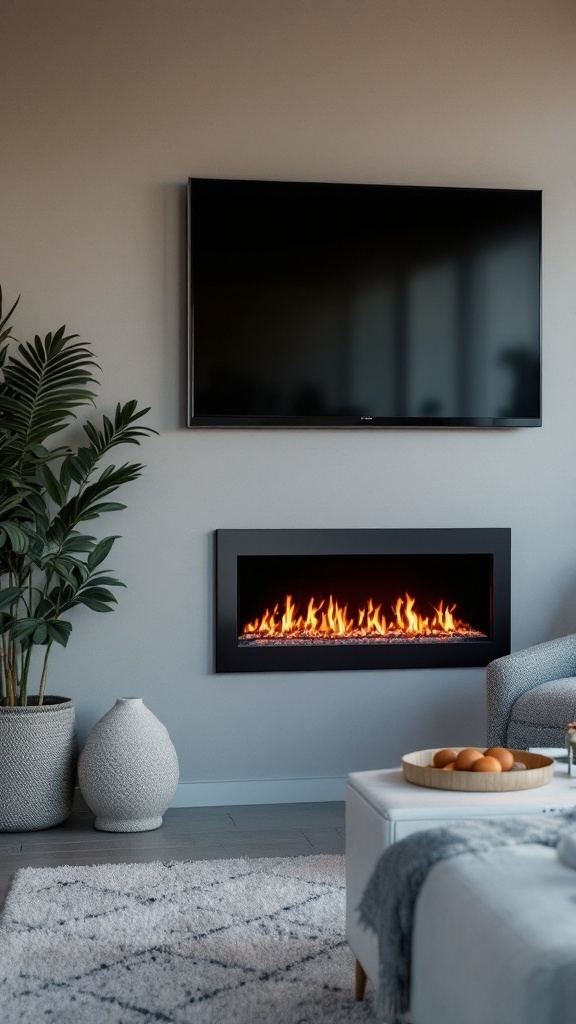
<point x="251" y="791"/>
<point x="259" y="791"/>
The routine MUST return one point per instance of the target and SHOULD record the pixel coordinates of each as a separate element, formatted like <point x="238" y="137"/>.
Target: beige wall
<point x="105" y="109"/>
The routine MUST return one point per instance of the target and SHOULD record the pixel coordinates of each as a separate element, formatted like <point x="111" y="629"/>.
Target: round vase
<point x="38" y="754"/>
<point x="128" y="769"/>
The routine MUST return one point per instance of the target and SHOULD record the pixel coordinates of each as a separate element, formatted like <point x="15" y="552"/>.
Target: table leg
<point x="360" y="982"/>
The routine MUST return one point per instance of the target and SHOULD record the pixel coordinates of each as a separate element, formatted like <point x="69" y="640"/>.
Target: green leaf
<point x="40" y="634"/>
<point x="9" y="595"/>
<point x="94" y="511"/>
<point x="78" y="542"/>
<point x="59" y="631"/>
<point x="49" y="481"/>
<point x="40" y="451"/>
<point x="100" y="552"/>
<point x="18" y="538"/>
<point x="96" y="592"/>
<point x="36" y="504"/>
<point x="45" y="630"/>
<point x="77" y="467"/>
<point x="95" y="597"/>
<point x="64" y="567"/>
<point x="95" y="606"/>
<point x="45" y="609"/>
<point x="106" y="581"/>
<point x="24" y="628"/>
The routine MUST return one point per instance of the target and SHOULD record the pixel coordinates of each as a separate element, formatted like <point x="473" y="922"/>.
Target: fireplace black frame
<point x="232" y="544"/>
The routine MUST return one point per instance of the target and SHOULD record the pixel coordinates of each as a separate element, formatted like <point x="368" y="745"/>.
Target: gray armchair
<point x="531" y="695"/>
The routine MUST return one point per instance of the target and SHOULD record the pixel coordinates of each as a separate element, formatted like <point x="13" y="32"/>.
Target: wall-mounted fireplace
<point x="312" y="600"/>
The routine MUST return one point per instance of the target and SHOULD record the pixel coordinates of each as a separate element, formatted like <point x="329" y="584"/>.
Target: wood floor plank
<point x="278" y="843"/>
<point x="287" y="815"/>
<point x="324" y="840"/>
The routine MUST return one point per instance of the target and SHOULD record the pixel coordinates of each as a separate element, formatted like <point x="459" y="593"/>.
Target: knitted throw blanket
<point x="387" y="906"/>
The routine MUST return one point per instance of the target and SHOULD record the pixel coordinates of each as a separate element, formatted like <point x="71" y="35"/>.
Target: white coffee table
<point x="381" y="807"/>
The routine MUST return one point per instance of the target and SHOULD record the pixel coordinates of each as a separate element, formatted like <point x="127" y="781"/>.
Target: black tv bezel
<point x="347" y="422"/>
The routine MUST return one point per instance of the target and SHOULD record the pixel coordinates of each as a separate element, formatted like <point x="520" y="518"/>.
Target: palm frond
<point x="42" y="387"/>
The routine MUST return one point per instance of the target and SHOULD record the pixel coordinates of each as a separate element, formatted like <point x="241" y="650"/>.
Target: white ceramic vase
<point x="128" y="769"/>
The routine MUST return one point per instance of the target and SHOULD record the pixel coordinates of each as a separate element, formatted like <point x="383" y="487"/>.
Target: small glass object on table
<point x="570" y="741"/>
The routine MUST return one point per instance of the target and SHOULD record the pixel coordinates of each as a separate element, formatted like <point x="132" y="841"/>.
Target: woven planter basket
<point x="38" y="755"/>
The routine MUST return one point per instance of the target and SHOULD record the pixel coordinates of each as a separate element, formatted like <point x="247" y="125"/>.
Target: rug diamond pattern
<point x="214" y="942"/>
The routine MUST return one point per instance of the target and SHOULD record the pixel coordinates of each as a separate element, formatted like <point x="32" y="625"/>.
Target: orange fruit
<point x="465" y="759"/>
<point x="486" y="764"/>
<point x="502" y="754"/>
<point x="443" y="757"/>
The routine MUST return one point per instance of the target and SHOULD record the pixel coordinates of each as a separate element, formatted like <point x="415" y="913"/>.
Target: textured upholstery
<point x="531" y="695"/>
<point x="540" y="716"/>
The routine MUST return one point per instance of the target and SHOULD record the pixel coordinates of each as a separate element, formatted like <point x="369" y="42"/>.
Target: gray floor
<point x="188" y="833"/>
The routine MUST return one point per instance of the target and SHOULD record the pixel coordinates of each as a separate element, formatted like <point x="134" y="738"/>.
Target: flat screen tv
<point x="354" y="305"/>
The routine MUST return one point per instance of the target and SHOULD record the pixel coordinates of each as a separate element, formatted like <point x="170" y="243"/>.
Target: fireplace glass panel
<point x="353" y="599"/>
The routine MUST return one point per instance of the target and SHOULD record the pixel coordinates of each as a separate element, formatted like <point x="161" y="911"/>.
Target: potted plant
<point x="49" y="490"/>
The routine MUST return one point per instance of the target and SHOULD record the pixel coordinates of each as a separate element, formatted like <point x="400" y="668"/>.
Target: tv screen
<point x="317" y="305"/>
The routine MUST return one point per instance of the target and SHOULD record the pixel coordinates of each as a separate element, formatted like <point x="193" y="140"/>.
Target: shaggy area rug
<point x="194" y="942"/>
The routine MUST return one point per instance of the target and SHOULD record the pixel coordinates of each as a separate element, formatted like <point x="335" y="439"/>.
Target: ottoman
<point x="381" y="807"/>
<point x="494" y="940"/>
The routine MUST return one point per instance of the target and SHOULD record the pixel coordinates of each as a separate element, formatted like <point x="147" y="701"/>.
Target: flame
<point x="322" y="620"/>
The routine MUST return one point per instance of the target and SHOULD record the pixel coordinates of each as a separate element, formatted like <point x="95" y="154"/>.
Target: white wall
<point x="105" y="109"/>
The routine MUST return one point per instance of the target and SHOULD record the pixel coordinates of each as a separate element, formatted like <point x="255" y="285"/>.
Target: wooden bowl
<point x="539" y="772"/>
